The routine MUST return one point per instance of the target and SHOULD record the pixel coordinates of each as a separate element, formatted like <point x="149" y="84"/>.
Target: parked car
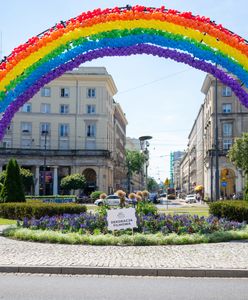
<point x="191" y="198"/>
<point x="153" y="197"/>
<point x="112" y="200"/>
<point x="82" y="198"/>
<point x="163" y="195"/>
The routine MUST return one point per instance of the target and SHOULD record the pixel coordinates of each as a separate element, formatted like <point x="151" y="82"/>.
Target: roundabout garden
<point x="57" y="223"/>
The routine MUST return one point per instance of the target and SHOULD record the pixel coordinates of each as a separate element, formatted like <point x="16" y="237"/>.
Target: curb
<point x="227" y="273"/>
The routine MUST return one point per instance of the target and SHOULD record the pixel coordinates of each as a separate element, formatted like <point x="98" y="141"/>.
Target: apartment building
<point x="175" y="161"/>
<point x="70" y="126"/>
<point x="232" y="122"/>
<point x="138" y="179"/>
<point x="120" y="171"/>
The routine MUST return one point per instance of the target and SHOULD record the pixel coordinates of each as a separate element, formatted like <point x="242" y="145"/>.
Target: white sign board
<point x="121" y="218"/>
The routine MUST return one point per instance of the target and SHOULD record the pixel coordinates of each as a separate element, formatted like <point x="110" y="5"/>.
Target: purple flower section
<point x="124" y="51"/>
<point x="91" y="223"/>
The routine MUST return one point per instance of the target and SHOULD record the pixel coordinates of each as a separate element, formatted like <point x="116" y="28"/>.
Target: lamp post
<point x="44" y="132"/>
<point x="217" y="179"/>
<point x="144" y="144"/>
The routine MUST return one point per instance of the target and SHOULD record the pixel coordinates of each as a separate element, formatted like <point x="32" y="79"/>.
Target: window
<point x="27" y="107"/>
<point x="227" y="143"/>
<point x="6" y="144"/>
<point x="226" y="91"/>
<point x="91" y="93"/>
<point x="45" y="128"/>
<point x="65" y="92"/>
<point x="26" y="127"/>
<point x="63" y="130"/>
<point x="63" y="144"/>
<point x="45" y="108"/>
<point x="91" y="130"/>
<point x="64" y="108"/>
<point x="26" y="143"/>
<point x="8" y="130"/>
<point x="46" y="92"/>
<point x="227" y="108"/>
<point x="227" y="129"/>
<point x="90" y="144"/>
<point x="91" y="109"/>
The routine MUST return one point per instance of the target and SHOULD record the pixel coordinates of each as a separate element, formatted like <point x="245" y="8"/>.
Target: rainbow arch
<point x="166" y="33"/>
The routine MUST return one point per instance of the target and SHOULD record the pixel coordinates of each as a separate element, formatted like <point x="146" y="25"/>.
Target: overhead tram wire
<point x="152" y="82"/>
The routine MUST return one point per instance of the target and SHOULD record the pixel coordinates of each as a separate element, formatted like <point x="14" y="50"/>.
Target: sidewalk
<point x="221" y="259"/>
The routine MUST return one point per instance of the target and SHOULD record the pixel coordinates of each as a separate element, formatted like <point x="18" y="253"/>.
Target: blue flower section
<point x="90" y="223"/>
<point x="209" y="54"/>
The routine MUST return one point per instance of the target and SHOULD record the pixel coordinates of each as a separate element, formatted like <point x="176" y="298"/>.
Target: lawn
<point x="7" y="222"/>
<point x="191" y="210"/>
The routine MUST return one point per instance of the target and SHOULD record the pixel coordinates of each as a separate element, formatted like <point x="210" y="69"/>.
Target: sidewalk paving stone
<point x="231" y="255"/>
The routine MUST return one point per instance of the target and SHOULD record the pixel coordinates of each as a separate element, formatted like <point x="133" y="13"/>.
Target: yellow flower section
<point x="103" y="27"/>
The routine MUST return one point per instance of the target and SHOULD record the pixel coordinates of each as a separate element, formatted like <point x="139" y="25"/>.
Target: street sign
<point x="121" y="218"/>
<point x="224" y="183"/>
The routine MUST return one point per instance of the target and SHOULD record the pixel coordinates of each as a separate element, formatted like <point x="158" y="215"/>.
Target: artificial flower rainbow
<point x="182" y="37"/>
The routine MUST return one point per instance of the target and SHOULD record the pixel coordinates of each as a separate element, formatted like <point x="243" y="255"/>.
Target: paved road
<point x="231" y="255"/>
<point x="48" y="287"/>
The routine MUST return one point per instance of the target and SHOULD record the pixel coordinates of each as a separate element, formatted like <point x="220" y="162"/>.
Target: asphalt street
<point x="25" y="286"/>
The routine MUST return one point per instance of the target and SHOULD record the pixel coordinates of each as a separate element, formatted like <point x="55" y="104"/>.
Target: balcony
<point x="53" y="152"/>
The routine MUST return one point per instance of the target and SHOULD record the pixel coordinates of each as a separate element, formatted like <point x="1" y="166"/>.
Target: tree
<point x="12" y="190"/>
<point x="26" y="176"/>
<point x="238" y="155"/>
<point x="134" y="162"/>
<point x="27" y="179"/>
<point x="73" y="182"/>
<point x="152" y="185"/>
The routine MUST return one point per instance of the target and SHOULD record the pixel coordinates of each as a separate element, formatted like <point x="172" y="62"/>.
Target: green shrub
<point x="12" y="190"/>
<point x="145" y="208"/>
<point x="96" y="195"/>
<point x="236" y="210"/>
<point x="37" y="210"/>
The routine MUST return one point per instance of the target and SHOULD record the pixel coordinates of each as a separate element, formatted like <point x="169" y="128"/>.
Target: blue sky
<point x="161" y="98"/>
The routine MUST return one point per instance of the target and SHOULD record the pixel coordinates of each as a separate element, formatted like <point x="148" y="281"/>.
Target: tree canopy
<point x="152" y="185"/>
<point x="238" y="155"/>
<point x="73" y="182"/>
<point x="26" y="176"/>
<point x="134" y="161"/>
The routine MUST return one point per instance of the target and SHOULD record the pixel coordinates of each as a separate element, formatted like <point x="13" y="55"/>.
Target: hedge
<point x="235" y="210"/>
<point x="18" y="211"/>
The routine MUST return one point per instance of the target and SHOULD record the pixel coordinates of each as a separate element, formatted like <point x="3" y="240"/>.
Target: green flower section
<point x="114" y="34"/>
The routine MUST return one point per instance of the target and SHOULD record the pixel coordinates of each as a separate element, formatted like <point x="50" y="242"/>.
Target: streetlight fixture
<point x="144" y="144"/>
<point x="217" y="179"/>
<point x="45" y="133"/>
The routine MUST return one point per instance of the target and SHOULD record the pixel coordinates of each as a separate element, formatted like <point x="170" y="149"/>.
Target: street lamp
<point x="144" y="144"/>
<point x="45" y="133"/>
<point x="217" y="179"/>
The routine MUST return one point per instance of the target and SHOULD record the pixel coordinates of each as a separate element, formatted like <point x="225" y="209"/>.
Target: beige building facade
<point x="232" y="122"/>
<point x="138" y="179"/>
<point x="68" y="127"/>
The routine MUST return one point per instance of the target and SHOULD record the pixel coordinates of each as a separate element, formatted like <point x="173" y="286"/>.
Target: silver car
<point x="190" y="198"/>
<point x="112" y="200"/>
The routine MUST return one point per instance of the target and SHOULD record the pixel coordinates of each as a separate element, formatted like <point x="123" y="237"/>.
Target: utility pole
<point x="211" y="175"/>
<point x="45" y="132"/>
<point x="217" y="179"/>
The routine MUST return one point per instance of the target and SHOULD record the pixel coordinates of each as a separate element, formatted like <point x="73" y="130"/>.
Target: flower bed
<point x="166" y="224"/>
